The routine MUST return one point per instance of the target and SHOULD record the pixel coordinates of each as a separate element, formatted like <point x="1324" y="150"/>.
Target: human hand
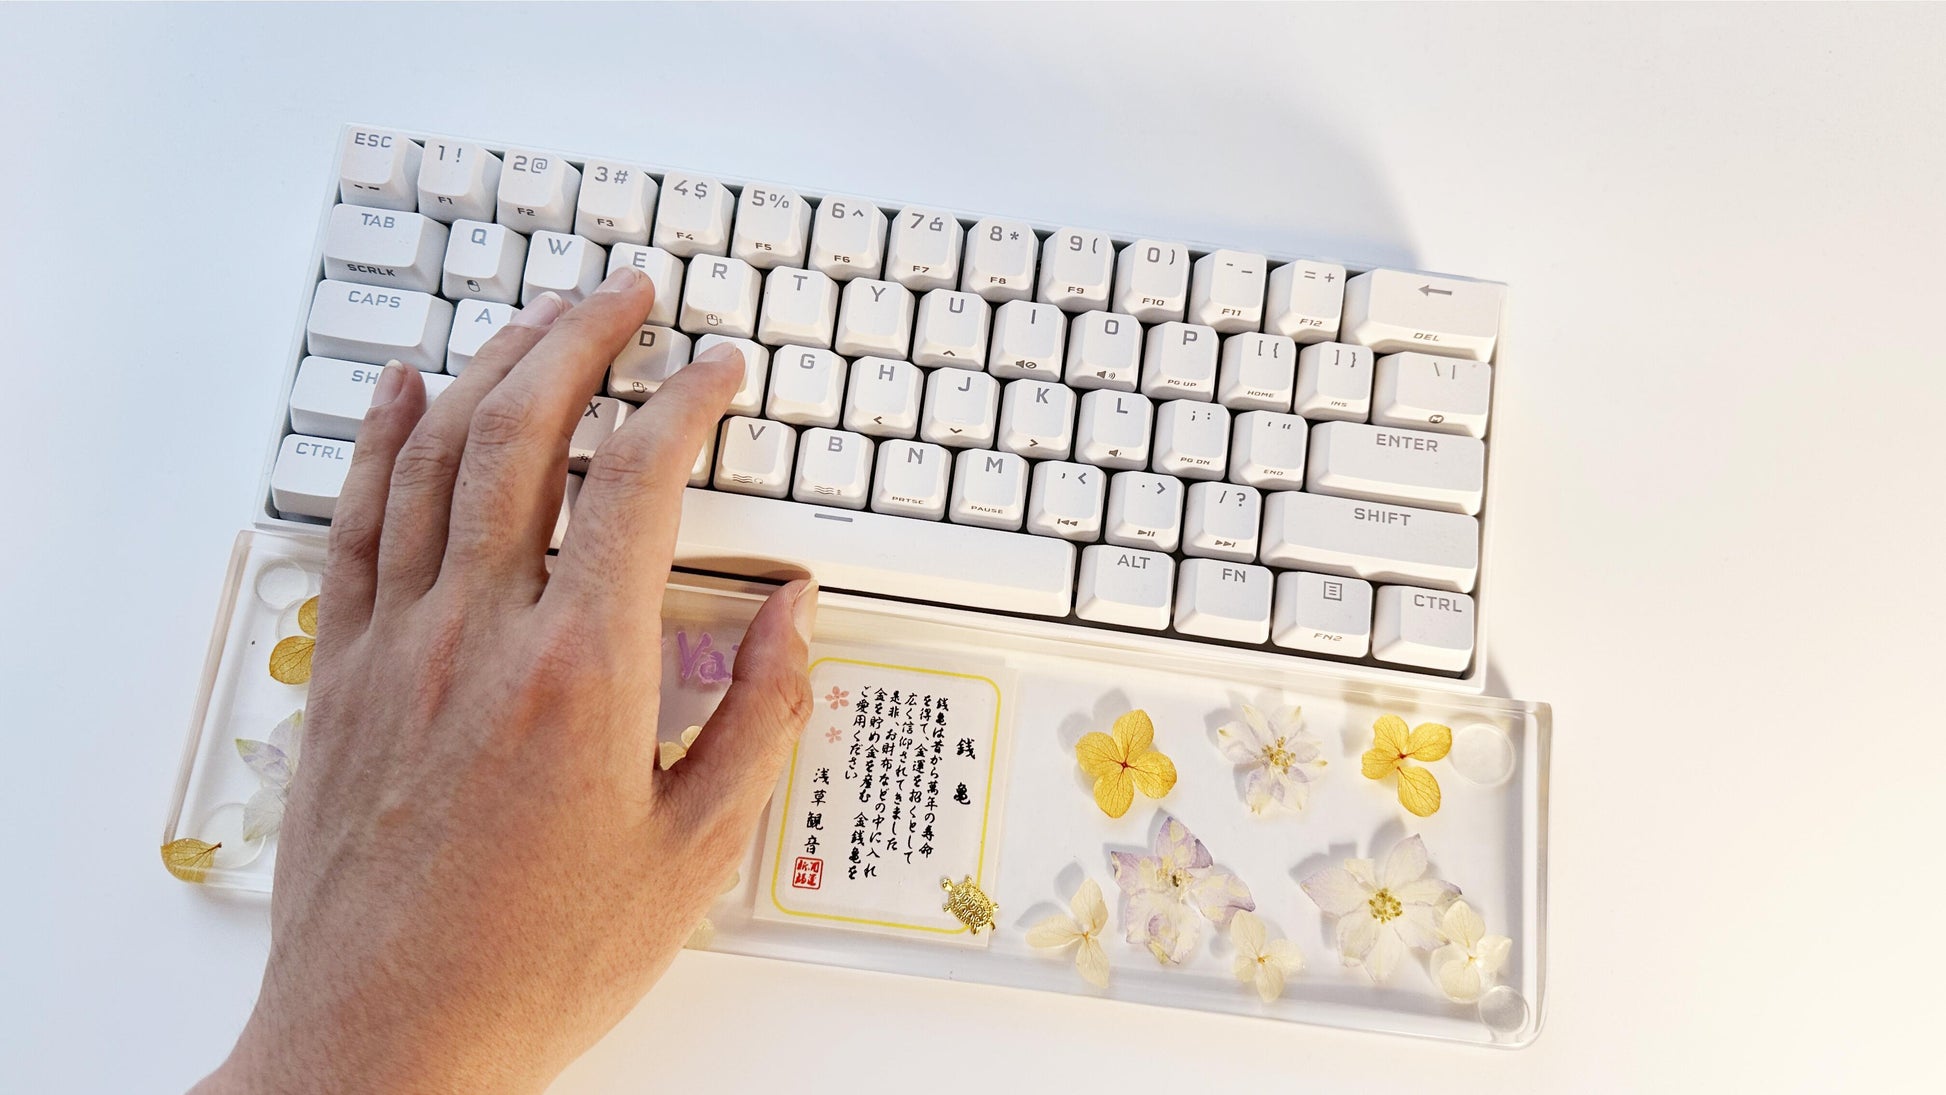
<point x="481" y="869"/>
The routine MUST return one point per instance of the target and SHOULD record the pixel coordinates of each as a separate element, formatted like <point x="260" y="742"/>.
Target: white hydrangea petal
<point x="1270" y="981"/>
<point x="1492" y="953"/>
<point x="1459" y="981"/>
<point x="1091" y="961"/>
<point x="263" y="815"/>
<point x="1336" y="890"/>
<point x="1462" y="925"/>
<point x="1054" y="932"/>
<point x="1090" y="911"/>
<point x="1406" y="862"/>
<point x="1248" y="935"/>
<point x="1286" y="955"/>
<point x="1385" y="952"/>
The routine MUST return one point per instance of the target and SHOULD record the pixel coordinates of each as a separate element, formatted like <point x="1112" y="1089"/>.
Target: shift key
<point x="1370" y="540"/>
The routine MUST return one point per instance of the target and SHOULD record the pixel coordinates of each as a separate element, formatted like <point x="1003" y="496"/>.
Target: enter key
<point x="1408" y="467"/>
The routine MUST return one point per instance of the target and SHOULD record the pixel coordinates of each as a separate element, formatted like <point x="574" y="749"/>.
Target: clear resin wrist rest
<point x="1288" y="845"/>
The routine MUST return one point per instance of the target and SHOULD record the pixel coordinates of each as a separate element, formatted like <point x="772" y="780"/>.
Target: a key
<point x="1267" y="450"/>
<point x="719" y="296"/>
<point x="1334" y="382"/>
<point x="652" y="356"/>
<point x="1220" y="521"/>
<point x="882" y="398"/>
<point x="570" y="494"/>
<point x="330" y="397"/>
<point x="989" y="489"/>
<point x="1028" y="339"/>
<point x="754" y="457"/>
<point x="1104" y="351"/>
<point x="1036" y="419"/>
<point x="800" y="308"/>
<point x="807" y="387"/>
<point x="1427" y="392"/>
<point x="386" y="247"/>
<point x="484" y="261"/>
<point x="1144" y="511"/>
<point x="910" y="480"/>
<point x="959" y="409"/>
<point x="999" y="262"/>
<point x="563" y="264"/>
<point x="537" y="193"/>
<point x="1392" y="310"/>
<point x="874" y="318"/>
<point x="1379" y="543"/>
<point x="616" y="204"/>
<point x="1192" y="439"/>
<point x="1405" y="467"/>
<point x="924" y="250"/>
<point x="749" y="397"/>
<point x="1218" y="599"/>
<point x="457" y="181"/>
<point x="834" y="468"/>
<point x="1305" y="300"/>
<point x="952" y="329"/>
<point x="1427" y="628"/>
<point x="363" y="323"/>
<point x="1065" y="500"/>
<point x="848" y="239"/>
<point x="1179" y="361"/>
<point x="1112" y="429"/>
<point x="692" y="216"/>
<point x="308" y="475"/>
<point x="474" y="321"/>
<point x="1226" y="291"/>
<point x="664" y="271"/>
<point x="1258" y="372"/>
<point x="773" y="226"/>
<point x="1125" y="586"/>
<point x="1152" y="281"/>
<point x="1322" y="613"/>
<point x="602" y="417"/>
<point x="379" y="168"/>
<point x="1077" y="270"/>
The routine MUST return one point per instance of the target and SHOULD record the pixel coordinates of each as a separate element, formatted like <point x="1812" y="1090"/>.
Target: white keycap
<point x="600" y="418"/>
<point x="1324" y="614"/>
<point x="616" y="203"/>
<point x="651" y="357"/>
<point x="719" y="296"/>
<point x="1267" y="450"/>
<point x="924" y="250"/>
<point x="848" y="239"/>
<point x="1066" y="500"/>
<point x="882" y="397"/>
<point x="959" y="409"/>
<point x="457" y="181"/>
<point x="309" y="474"/>
<point x="563" y="264"/>
<point x="874" y="318"/>
<point x="379" y="168"/>
<point x="952" y="329"/>
<point x="1423" y="627"/>
<point x="834" y="468"/>
<point x="1112" y="429"/>
<point x="1028" y="340"/>
<point x="664" y="271"/>
<point x="1221" y="520"/>
<point x="570" y="494"/>
<point x="807" y="386"/>
<point x="330" y="397"/>
<point x="1152" y="281"/>
<point x="910" y="479"/>
<point x="386" y="247"/>
<point x="474" y="322"/>
<point x="363" y="323"/>
<point x="1125" y="586"/>
<point x="1305" y="300"/>
<point x="999" y="262"/>
<point x="1379" y="543"/>
<point x="800" y="308"/>
<point x="989" y="489"/>
<point x="1258" y="372"/>
<point x="773" y="226"/>
<point x="1227" y="291"/>
<point x="1037" y="419"/>
<point x="1077" y="270"/>
<point x="1179" y="361"/>
<point x="1144" y="511"/>
<point x="1406" y="467"/>
<point x="1334" y="382"/>
<point x="1192" y="439"/>
<point x="537" y="193"/>
<point x="754" y="457"/>
<point x="483" y="261"/>
<point x="1218" y="599"/>
<point x="692" y="216"/>
<point x="1391" y="310"/>
<point x="749" y="397"/>
<point x="1426" y="392"/>
<point x="1104" y="351"/>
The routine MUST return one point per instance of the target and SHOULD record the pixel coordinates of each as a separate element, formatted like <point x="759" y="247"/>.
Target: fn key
<point x="1429" y="628"/>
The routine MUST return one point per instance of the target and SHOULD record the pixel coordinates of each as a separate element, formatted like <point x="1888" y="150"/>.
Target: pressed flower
<point x="189" y="859"/>
<point x="1261" y="961"/>
<point x="1125" y="762"/>
<point x="669" y="752"/>
<point x="1281" y="759"/>
<point x="274" y="760"/>
<point x="1080" y="927"/>
<point x="1471" y="958"/>
<point x="1383" y="909"/>
<point x="290" y="659"/>
<point x="1393" y="746"/>
<point x="1167" y="889"/>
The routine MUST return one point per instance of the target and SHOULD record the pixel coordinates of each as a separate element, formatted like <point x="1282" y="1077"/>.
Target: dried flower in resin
<point x="1169" y="887"/>
<point x="1261" y="961"/>
<point x="1080" y="928"/>
<point x="1124" y="762"/>
<point x="669" y="752"/>
<point x="189" y="859"/>
<point x="274" y="760"/>
<point x="1383" y="909"/>
<point x="1393" y="746"/>
<point x="290" y="659"/>
<point x="1281" y="759"/>
<point x="1471" y="958"/>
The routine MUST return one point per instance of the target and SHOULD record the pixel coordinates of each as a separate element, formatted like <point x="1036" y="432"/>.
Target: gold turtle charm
<point x="969" y="904"/>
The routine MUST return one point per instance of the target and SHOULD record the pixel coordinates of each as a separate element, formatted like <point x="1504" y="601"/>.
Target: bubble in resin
<point x="1482" y="754"/>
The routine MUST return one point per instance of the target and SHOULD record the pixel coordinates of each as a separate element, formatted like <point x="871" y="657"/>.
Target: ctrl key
<point x="1428" y="628"/>
<point x="309" y="474"/>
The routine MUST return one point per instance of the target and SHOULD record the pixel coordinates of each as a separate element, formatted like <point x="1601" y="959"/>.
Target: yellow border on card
<point x="784" y="820"/>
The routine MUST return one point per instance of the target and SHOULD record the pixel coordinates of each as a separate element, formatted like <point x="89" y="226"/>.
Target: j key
<point x="362" y="323"/>
<point x="807" y="387"/>
<point x="959" y="409"/>
<point x="379" y="168"/>
<point x="848" y="239"/>
<point x="834" y="468"/>
<point x="800" y="307"/>
<point x="1104" y="351"/>
<point x="308" y="475"/>
<point x="924" y="250"/>
<point x="1144" y="511"/>
<point x="616" y="204"/>
<point x="1258" y="372"/>
<point x="1408" y="467"/>
<point x="1027" y="340"/>
<point x="1226" y="291"/>
<point x="1423" y="627"/>
<point x="1000" y="260"/>
<point x="563" y="264"/>
<point x="874" y="318"/>
<point x="1426" y="392"/>
<point x="483" y="261"/>
<point x="1267" y="450"/>
<point x="1179" y="362"/>
<point x="1391" y="310"/>
<point x="384" y="247"/>
<point x="910" y="480"/>
<point x="952" y="329"/>
<point x="1322" y="613"/>
<point x="1334" y="382"/>
<point x="458" y="181"/>
<point x="1223" y="600"/>
<point x="754" y="457"/>
<point x="1192" y="439"/>
<point x="474" y="322"/>
<point x="720" y="297"/>
<point x="1037" y="420"/>
<point x="773" y="226"/>
<point x="652" y="356"/>
<point x="1112" y="429"/>
<point x="1220" y="521"/>
<point x="882" y="399"/>
<point x="1305" y="301"/>
<point x="537" y="193"/>
<point x="749" y="397"/>
<point x="665" y="272"/>
<point x="989" y="489"/>
<point x="692" y="216"/>
<point x="1152" y="281"/>
<point x="1066" y="500"/>
<point x="602" y="417"/>
<point x="330" y="397"/>
<point x="1379" y="543"/>
<point x="1125" y="586"/>
<point x="1077" y="270"/>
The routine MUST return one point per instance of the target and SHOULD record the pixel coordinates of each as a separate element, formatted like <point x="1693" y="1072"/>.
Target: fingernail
<point x="804" y="610"/>
<point x="722" y="351"/>
<point x="622" y="279"/>
<point x="545" y="310"/>
<point x="390" y="383"/>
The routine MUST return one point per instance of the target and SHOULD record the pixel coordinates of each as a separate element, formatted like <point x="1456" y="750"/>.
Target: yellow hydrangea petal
<point x="1098" y="754"/>
<point x="1379" y="763"/>
<point x="189" y="859"/>
<point x="290" y="659"/>
<point x="1134" y="732"/>
<point x="1418" y="790"/>
<point x="1154" y="773"/>
<point x="1389" y="734"/>
<point x="307" y="617"/>
<point x="1115" y="792"/>
<point x="1429" y="741"/>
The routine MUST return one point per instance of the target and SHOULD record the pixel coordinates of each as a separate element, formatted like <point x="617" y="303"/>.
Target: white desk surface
<point x="1719" y="500"/>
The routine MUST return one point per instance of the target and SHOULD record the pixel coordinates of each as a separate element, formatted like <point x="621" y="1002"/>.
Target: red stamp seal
<point x="808" y="874"/>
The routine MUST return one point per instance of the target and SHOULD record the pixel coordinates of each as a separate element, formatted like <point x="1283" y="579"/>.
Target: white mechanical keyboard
<point x="1190" y="444"/>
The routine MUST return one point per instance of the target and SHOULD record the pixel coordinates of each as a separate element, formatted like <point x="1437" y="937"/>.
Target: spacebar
<point x="876" y="553"/>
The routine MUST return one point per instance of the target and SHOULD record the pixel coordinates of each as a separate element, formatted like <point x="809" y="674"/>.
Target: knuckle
<point x="425" y="461"/>
<point x="625" y="456"/>
<point x="354" y="535"/>
<point x="505" y="416"/>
